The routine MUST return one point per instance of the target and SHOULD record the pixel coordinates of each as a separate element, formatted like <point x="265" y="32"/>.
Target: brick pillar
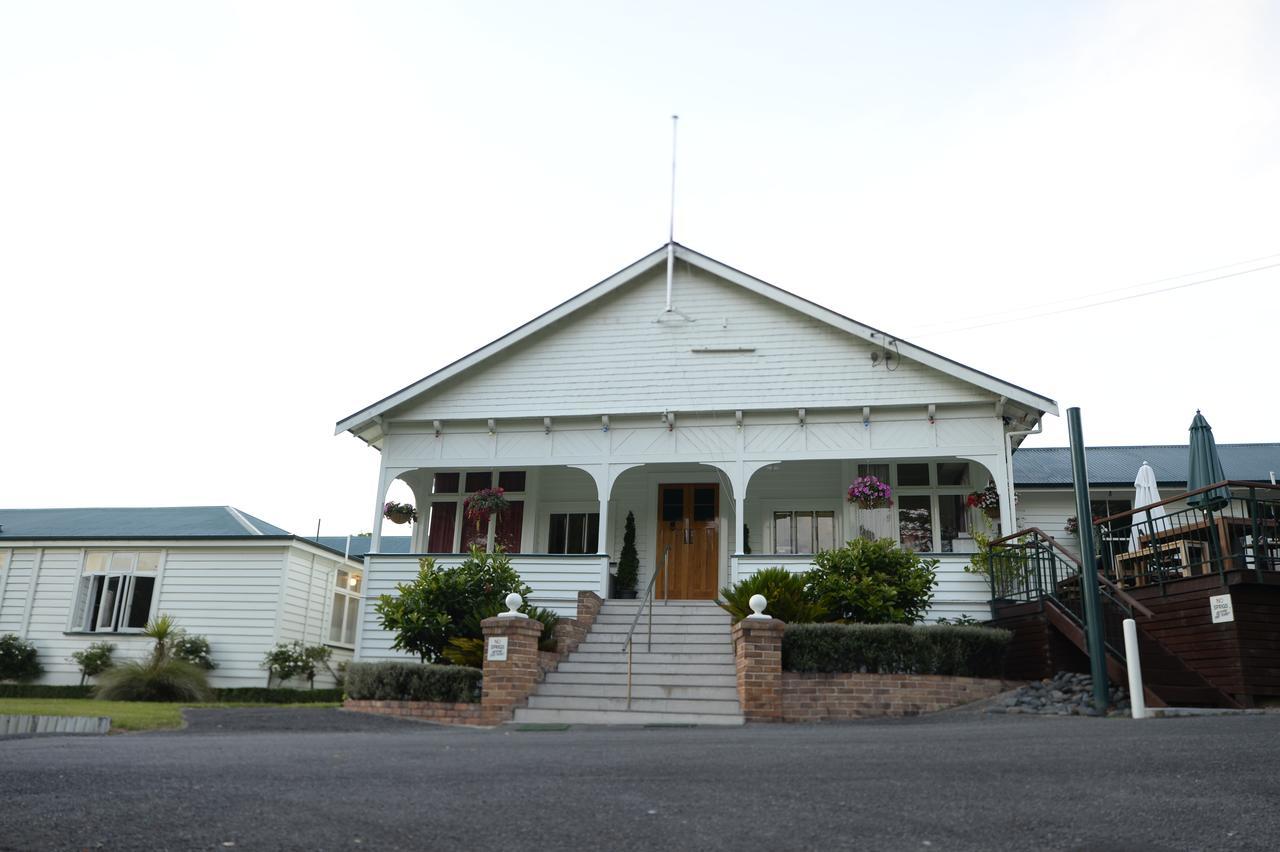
<point x="757" y="652"/>
<point x="508" y="683"/>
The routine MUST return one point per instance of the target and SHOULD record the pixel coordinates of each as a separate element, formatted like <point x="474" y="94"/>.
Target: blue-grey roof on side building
<point x="1118" y="466"/>
<point x="134" y="522"/>
<point x="359" y="545"/>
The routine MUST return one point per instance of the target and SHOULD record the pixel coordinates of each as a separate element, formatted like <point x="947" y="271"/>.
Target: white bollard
<point x="1137" y="703"/>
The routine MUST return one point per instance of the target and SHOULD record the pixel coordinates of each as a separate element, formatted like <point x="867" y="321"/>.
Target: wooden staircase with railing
<point x="1036" y="589"/>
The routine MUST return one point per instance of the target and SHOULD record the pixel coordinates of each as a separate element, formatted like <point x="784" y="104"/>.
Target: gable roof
<point x="360" y="419"/>
<point x="134" y="522"/>
<point x="1118" y="466"/>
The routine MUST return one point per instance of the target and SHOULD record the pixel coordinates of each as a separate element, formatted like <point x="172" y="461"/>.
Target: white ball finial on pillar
<point x="757" y="604"/>
<point x="514" y="602"/>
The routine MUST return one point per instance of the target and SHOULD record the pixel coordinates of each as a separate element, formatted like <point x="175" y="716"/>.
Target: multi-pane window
<point x="929" y="508"/>
<point x="803" y="531"/>
<point x="346" y="608"/>
<point x="117" y="588"/>
<point x="449" y="531"/>
<point x="574" y="532"/>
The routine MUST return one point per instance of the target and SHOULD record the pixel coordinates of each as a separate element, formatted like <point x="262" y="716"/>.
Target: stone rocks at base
<point x="1064" y="694"/>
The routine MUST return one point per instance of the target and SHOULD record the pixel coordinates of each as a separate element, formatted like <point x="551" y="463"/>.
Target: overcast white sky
<point x="225" y="226"/>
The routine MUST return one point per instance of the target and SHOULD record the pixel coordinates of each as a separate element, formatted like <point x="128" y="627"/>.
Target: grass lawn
<point x="125" y="715"/>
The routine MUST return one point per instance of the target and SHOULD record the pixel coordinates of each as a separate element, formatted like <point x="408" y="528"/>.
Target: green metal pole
<point x="1089" y="558"/>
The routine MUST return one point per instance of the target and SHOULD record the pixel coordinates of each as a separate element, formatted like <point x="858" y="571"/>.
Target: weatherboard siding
<point x="230" y="596"/>
<point x="624" y="353"/>
<point x="14" y="583"/>
<point x="306" y="610"/>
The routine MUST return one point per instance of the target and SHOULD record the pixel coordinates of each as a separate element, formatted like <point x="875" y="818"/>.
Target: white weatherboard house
<point x="730" y="420"/>
<point x="70" y="577"/>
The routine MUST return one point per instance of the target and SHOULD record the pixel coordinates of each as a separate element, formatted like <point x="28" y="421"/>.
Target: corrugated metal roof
<point x="134" y="522"/>
<point x="1051" y="466"/>
<point x="360" y="544"/>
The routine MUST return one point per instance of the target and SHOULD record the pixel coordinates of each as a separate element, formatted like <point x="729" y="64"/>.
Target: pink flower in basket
<point x="870" y="492"/>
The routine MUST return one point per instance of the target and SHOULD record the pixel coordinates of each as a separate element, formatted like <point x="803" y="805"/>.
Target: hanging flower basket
<point x="1073" y="525"/>
<point x="399" y="513"/>
<point x="480" y="506"/>
<point x="870" y="492"/>
<point x="988" y="500"/>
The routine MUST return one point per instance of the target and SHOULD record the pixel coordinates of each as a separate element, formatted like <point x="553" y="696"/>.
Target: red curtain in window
<point x="440" y="533"/>
<point x="510" y="526"/>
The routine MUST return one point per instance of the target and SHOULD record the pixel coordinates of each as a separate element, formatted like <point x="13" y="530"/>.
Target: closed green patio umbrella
<point x="1204" y="467"/>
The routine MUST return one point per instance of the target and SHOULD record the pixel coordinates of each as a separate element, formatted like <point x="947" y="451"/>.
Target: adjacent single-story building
<point x="729" y="416"/>
<point x="1046" y="496"/>
<point x="71" y="577"/>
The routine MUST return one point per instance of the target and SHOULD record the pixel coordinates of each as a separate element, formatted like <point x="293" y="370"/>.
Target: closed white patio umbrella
<point x="1146" y="493"/>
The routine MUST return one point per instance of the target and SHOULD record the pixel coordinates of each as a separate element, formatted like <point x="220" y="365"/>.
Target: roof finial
<point x="671" y="220"/>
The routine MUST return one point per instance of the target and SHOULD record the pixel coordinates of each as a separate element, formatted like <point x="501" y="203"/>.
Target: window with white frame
<point x="448" y="530"/>
<point x="929" y="503"/>
<point x="117" y="590"/>
<point x="573" y="532"/>
<point x="803" y="531"/>
<point x="346" y="608"/>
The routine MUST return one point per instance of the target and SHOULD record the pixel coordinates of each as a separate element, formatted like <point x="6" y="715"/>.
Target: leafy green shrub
<point x="784" y="591"/>
<point x="895" y="649"/>
<point x="413" y="682"/>
<point x="93" y="660"/>
<point x="161" y="677"/>
<point x="194" y="650"/>
<point x="445" y="603"/>
<point x="296" y="659"/>
<point x="18" y="659"/>
<point x="871" y="582"/>
<point x="628" y="560"/>
<point x="467" y="649"/>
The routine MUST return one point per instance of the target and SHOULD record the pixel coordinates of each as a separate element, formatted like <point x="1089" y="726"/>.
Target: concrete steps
<point x="686" y="676"/>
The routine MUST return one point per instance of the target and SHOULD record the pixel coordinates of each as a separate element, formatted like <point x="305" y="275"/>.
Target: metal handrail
<point x="1072" y="559"/>
<point x="648" y="596"/>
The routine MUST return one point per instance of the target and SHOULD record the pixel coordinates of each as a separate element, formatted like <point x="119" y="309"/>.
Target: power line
<point x="1104" y="302"/>
<point x="1037" y="306"/>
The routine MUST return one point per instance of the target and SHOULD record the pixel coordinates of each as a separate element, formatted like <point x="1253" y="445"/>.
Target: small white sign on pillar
<point x="497" y="648"/>
<point x="1220" y="609"/>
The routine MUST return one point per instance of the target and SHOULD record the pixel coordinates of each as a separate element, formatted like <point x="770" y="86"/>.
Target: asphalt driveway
<point x="325" y="779"/>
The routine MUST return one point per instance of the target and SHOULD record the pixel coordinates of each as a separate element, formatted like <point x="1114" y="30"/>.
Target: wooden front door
<point x="689" y="523"/>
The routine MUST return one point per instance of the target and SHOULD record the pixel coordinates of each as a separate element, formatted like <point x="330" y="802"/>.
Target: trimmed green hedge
<point x="937" y="649"/>
<point x="262" y="695"/>
<point x="245" y="694"/>
<point x="412" y="682"/>
<point x="40" y="690"/>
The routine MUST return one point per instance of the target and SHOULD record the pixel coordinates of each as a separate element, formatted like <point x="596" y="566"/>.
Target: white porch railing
<point x="957" y="592"/>
<point x="555" y="579"/>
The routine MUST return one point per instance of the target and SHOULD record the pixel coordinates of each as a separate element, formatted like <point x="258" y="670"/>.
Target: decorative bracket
<point x="669" y="417"/>
<point x="933" y="413"/>
<point x="604" y="423"/>
<point x="737" y="417"/>
<point x="801" y="415"/>
<point x="493" y="430"/>
<point x="866" y="417"/>
<point x="546" y="425"/>
<point x="436" y="425"/>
